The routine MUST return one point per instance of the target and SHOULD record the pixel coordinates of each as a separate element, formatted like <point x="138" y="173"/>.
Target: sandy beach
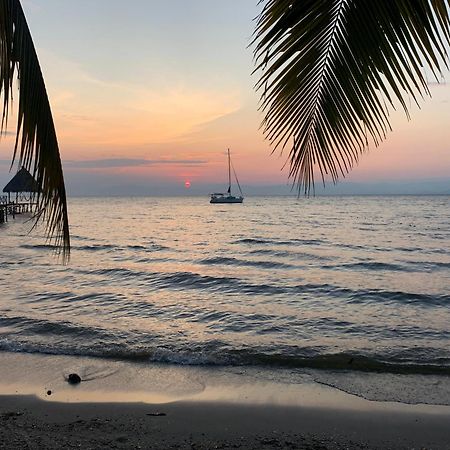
<point x="35" y="424"/>
<point x="196" y="408"/>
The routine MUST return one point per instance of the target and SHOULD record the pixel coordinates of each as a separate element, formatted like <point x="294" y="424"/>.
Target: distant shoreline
<point x="293" y="196"/>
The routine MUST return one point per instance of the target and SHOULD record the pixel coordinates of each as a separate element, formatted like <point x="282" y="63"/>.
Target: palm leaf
<point x="36" y="145"/>
<point x="332" y="70"/>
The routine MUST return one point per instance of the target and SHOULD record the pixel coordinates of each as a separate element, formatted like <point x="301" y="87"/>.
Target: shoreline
<point x="108" y="381"/>
<point x="123" y="405"/>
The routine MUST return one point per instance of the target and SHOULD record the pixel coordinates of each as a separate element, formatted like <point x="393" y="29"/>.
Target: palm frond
<point x="332" y="70"/>
<point x="36" y="146"/>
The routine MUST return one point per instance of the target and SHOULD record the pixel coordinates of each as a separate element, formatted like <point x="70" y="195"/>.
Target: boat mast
<point x="229" y="173"/>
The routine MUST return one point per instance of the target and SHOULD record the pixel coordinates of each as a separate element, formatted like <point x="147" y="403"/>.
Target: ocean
<point x="341" y="287"/>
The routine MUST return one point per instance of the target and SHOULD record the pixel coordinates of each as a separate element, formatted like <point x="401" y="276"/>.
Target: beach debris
<point x="73" y="378"/>
<point x="49" y="392"/>
<point x="156" y="414"/>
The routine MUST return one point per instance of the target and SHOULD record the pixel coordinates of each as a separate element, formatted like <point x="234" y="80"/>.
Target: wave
<point x="426" y="300"/>
<point x="374" y="296"/>
<point x="369" y="265"/>
<point x="191" y="280"/>
<point x="184" y="280"/>
<point x="80" y="238"/>
<point x="216" y="353"/>
<point x="38" y="247"/>
<point x="267" y="241"/>
<point x="153" y="247"/>
<point x="227" y="284"/>
<point x="99" y="247"/>
<point x="47" y="327"/>
<point x="240" y="262"/>
<point x="289" y="254"/>
<point x="115" y="272"/>
<point x="95" y="247"/>
<point x="430" y="265"/>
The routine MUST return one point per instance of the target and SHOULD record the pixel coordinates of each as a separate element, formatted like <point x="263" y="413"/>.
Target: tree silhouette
<point x="36" y="146"/>
<point x="333" y="69"/>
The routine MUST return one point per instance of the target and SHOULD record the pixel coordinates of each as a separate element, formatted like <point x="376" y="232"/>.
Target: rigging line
<point x="237" y="181"/>
<point x="229" y="172"/>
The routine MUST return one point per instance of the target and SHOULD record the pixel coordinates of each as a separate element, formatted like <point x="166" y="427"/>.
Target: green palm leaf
<point x="333" y="69"/>
<point x="36" y="146"/>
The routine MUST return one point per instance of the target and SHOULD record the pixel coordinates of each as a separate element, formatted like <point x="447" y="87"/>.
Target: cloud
<point x="93" y="112"/>
<point x="108" y="163"/>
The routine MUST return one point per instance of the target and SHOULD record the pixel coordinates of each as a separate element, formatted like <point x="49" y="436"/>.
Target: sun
<point x="187" y="184"/>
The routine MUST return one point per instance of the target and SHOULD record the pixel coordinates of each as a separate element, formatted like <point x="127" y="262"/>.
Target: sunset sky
<point x="151" y="92"/>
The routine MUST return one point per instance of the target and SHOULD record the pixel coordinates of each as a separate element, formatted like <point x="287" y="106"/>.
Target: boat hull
<point x="230" y="199"/>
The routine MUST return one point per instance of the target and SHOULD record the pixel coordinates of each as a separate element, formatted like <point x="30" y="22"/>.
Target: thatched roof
<point x="23" y="181"/>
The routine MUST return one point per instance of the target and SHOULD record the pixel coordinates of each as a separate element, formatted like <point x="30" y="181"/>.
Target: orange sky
<point x="130" y="85"/>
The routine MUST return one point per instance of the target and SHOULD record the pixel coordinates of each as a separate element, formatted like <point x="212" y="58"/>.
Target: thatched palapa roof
<point x="23" y="181"/>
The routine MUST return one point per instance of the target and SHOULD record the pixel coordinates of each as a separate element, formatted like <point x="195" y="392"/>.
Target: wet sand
<point x="129" y="406"/>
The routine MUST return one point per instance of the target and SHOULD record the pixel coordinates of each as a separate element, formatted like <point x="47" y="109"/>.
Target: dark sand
<point x="30" y="423"/>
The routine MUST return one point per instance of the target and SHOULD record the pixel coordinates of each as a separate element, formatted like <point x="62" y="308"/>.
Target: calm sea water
<point x="334" y="283"/>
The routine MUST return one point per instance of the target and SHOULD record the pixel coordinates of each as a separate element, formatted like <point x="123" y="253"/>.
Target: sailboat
<point x="227" y="197"/>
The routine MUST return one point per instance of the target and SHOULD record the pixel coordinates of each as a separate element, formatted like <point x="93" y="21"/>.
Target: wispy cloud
<point x="108" y="163"/>
<point x="90" y="111"/>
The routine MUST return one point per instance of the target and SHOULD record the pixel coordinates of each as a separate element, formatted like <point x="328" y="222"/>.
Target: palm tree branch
<point x="328" y="67"/>
<point x="36" y="145"/>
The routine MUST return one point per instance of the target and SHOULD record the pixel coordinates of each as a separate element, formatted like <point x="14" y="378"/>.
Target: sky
<point x="147" y="95"/>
